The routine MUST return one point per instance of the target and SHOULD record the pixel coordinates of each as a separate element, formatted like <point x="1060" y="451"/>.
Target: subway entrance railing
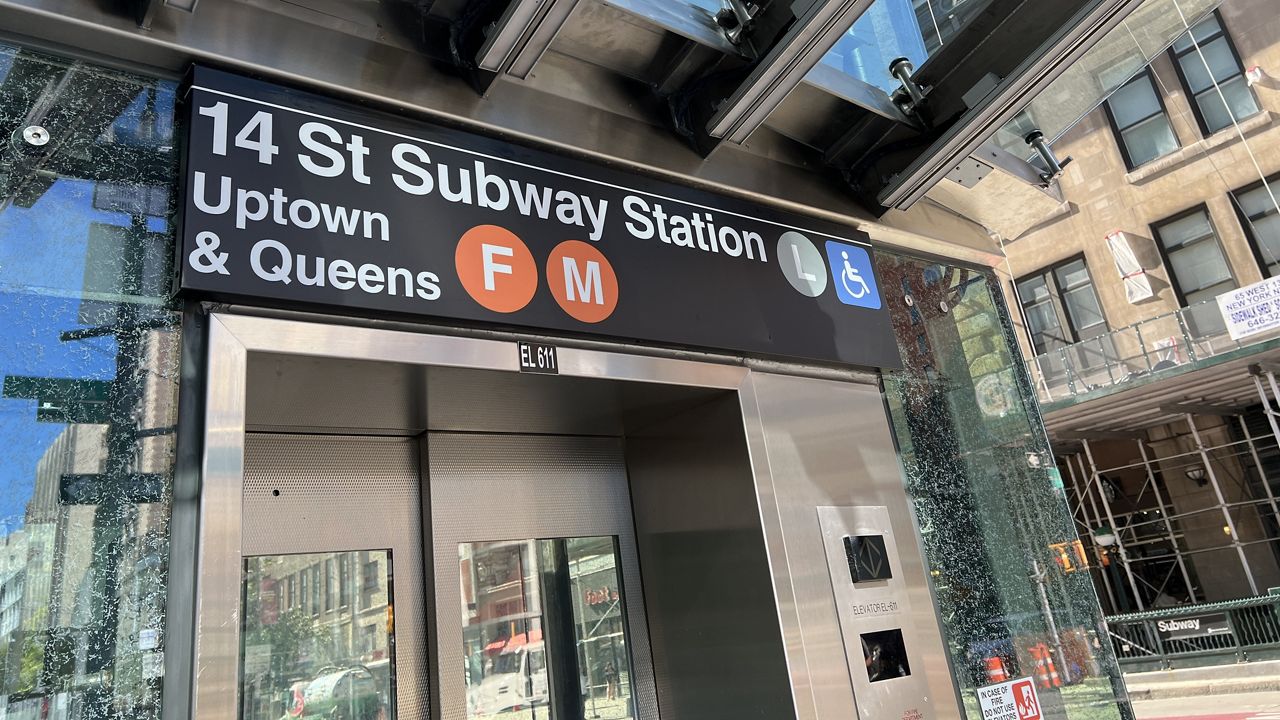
<point x="1174" y="342"/>
<point x="1234" y="630"/>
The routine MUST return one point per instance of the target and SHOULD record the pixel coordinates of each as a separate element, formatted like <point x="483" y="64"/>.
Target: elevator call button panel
<point x="867" y="558"/>
<point x="876" y="623"/>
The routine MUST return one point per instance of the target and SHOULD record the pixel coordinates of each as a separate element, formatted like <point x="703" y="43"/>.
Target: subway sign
<point x="298" y="199"/>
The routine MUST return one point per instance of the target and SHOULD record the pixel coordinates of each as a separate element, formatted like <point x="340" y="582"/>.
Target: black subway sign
<point x="1197" y="626"/>
<point x="296" y="198"/>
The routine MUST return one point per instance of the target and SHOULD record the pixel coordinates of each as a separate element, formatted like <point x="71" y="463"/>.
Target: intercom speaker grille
<point x="316" y="493"/>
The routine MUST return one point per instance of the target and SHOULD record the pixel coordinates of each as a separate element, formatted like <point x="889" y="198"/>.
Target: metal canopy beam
<point x="523" y="33"/>
<point x="783" y="67"/>
<point x="1200" y="409"/>
<point x="1016" y="47"/>
<point x="785" y="40"/>
<point x="1100" y="435"/>
<point x="1057" y="34"/>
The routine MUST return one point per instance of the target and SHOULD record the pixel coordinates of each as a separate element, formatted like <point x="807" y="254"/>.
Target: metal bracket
<point x="1036" y="140"/>
<point x="969" y="172"/>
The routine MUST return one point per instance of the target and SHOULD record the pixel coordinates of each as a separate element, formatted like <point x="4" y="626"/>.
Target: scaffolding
<point x="1152" y="520"/>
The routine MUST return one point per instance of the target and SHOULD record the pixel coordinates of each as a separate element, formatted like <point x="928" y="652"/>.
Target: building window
<point x="302" y="592"/>
<point x="1220" y="67"/>
<point x="1060" y="306"/>
<point x="328" y="584"/>
<point x="1193" y="255"/>
<point x="315" y="589"/>
<point x="1140" y="122"/>
<point x="344" y="580"/>
<point x="371" y="575"/>
<point x="1261" y="220"/>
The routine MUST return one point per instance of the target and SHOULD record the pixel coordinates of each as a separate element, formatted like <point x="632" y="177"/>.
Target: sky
<point x="42" y="265"/>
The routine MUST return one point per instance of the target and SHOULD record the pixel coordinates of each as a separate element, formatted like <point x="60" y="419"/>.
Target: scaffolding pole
<point x="1222" y="503"/>
<point x="1168" y="524"/>
<point x="1257" y="463"/>
<point x="1092" y="523"/>
<point x="1094" y="477"/>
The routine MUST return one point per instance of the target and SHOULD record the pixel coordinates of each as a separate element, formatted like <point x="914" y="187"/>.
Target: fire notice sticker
<point x="1013" y="700"/>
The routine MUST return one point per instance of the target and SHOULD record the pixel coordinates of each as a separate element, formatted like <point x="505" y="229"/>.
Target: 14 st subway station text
<point x="327" y="152"/>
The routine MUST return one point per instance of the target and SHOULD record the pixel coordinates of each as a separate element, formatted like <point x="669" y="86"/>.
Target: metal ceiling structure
<point x="1220" y="389"/>
<point x="741" y="96"/>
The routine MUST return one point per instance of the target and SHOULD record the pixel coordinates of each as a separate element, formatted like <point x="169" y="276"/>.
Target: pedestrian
<point x="610" y="680"/>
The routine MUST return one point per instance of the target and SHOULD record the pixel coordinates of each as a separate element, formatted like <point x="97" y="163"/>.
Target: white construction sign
<point x="1013" y="700"/>
<point x="1251" y="310"/>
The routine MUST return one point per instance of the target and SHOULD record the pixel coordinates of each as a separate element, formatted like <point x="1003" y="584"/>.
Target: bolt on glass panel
<point x="892" y="29"/>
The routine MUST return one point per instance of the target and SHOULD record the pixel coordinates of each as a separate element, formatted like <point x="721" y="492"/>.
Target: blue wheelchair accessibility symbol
<point x="851" y="270"/>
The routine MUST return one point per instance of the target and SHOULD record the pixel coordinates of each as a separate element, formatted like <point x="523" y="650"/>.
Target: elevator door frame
<point x="232" y="338"/>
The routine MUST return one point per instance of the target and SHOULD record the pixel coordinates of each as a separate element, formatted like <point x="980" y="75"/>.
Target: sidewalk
<point x="1254" y="677"/>
<point x="1245" y="706"/>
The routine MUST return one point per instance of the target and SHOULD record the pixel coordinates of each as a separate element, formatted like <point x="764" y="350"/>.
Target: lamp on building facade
<point x="1197" y="475"/>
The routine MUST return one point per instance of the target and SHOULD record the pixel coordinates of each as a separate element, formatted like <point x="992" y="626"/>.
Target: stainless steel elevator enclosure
<point x="704" y="476"/>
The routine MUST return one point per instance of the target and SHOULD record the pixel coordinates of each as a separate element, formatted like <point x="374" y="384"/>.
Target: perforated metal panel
<point x="510" y="487"/>
<point x="339" y="493"/>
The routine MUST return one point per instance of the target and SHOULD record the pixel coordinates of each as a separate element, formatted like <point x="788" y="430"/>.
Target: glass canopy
<point x="1107" y="66"/>
<point x="892" y="29"/>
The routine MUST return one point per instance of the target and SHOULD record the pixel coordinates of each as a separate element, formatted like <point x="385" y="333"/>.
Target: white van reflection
<point x="515" y="679"/>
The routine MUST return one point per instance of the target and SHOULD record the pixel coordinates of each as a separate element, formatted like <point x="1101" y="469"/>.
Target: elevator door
<point x="539" y="612"/>
<point x="333" y="614"/>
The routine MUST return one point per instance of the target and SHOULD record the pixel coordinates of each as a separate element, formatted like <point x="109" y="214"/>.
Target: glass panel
<point x="964" y="414"/>
<point x="503" y="624"/>
<point x="1134" y="102"/>
<point x="520" y="598"/>
<point x="89" y="364"/>
<point x="1199" y="266"/>
<point x="1209" y="293"/>
<point x="1046" y="331"/>
<point x="599" y="627"/>
<point x="1109" y="64"/>
<point x="1073" y="274"/>
<point x="1033" y="289"/>
<point x="335" y="665"/>
<point x="1184" y="230"/>
<point x="1083" y="308"/>
<point x="1240" y="100"/>
<point x="1149" y="140"/>
<point x="1266" y="232"/>
<point x="888" y="30"/>
<point x="1258" y="201"/>
<point x="1222" y="65"/>
<point x="1200" y="30"/>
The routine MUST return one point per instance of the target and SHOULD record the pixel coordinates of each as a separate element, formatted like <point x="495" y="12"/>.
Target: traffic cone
<point x="995" y="670"/>
<point x="1054" y="679"/>
<point x="1039" y="653"/>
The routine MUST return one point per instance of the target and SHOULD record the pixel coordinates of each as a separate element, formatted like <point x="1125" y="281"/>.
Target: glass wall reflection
<point x="544" y="630"/>
<point x="89" y="360"/>
<point x="997" y="534"/>
<point x="318" y="637"/>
